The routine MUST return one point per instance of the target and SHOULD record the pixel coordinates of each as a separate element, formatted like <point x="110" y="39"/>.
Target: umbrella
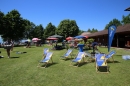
<point x="80" y="37"/>
<point x="39" y="39"/>
<point x="86" y="36"/>
<point x="34" y="39"/>
<point x="56" y="36"/>
<point x="52" y="38"/>
<point x="28" y="40"/>
<point x="69" y="38"/>
<point x="23" y="41"/>
<point x="127" y="9"/>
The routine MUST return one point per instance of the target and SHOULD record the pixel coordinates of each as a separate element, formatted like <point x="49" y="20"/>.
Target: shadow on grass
<point x="24" y="52"/>
<point x="1" y="57"/>
<point x="14" y="57"/>
<point x="104" y="69"/>
<point x="118" y="55"/>
<point x="113" y="62"/>
<point x="49" y="64"/>
<point x="68" y="59"/>
<point x="18" y="52"/>
<point x="80" y="64"/>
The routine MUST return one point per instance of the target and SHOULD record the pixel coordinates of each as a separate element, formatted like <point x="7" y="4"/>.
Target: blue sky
<point x="87" y="13"/>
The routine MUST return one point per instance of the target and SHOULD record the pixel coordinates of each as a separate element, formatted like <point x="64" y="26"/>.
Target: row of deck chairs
<point x="100" y="59"/>
<point x="47" y="56"/>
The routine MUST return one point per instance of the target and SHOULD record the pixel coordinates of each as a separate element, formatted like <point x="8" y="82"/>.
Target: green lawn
<point x="22" y="70"/>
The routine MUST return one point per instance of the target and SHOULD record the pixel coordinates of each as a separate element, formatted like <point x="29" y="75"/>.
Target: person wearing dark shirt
<point x="94" y="45"/>
<point x="8" y="46"/>
<point x="12" y="45"/>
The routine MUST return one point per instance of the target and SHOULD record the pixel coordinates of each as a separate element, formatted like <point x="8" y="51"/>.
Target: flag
<point x="111" y="32"/>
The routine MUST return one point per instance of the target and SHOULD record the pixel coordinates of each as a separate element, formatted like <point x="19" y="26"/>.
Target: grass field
<point x="22" y="70"/>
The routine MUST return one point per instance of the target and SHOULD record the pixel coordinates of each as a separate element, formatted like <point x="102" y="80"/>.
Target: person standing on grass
<point x="94" y="45"/>
<point x="8" y="46"/>
<point x="12" y="45"/>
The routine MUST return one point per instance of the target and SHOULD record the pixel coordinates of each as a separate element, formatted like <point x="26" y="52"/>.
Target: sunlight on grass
<point x="22" y="70"/>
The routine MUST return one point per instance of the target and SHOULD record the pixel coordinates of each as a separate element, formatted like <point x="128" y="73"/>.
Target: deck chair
<point x="110" y="55"/>
<point x="96" y="51"/>
<point x="45" y="50"/>
<point x="67" y="54"/>
<point x="101" y="63"/>
<point x="47" y="58"/>
<point x="80" y="56"/>
<point x="89" y="55"/>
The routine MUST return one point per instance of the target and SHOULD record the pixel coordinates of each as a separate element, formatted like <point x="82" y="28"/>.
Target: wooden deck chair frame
<point x="96" y="51"/>
<point x="64" y="57"/>
<point x="98" y="67"/>
<point x="47" y="61"/>
<point x="78" y="62"/>
<point x="111" y="56"/>
<point x="90" y="57"/>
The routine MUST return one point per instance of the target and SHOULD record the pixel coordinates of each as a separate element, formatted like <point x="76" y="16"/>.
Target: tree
<point x="49" y="30"/>
<point x="74" y="28"/>
<point x="38" y="31"/>
<point x="67" y="28"/>
<point x="89" y="30"/>
<point x="14" y="26"/>
<point x="1" y="23"/>
<point x="92" y="31"/>
<point x="29" y="28"/>
<point x="113" y="22"/>
<point x="80" y="32"/>
<point x="126" y="19"/>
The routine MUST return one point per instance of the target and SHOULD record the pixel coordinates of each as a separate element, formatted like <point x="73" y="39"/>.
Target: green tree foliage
<point x="1" y="23"/>
<point x="14" y="26"/>
<point x="126" y="19"/>
<point x="68" y="28"/>
<point x="80" y="32"/>
<point x="113" y="22"/>
<point x="93" y="30"/>
<point x="29" y="29"/>
<point x="38" y="32"/>
<point x="49" y="30"/>
<point x="89" y="30"/>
